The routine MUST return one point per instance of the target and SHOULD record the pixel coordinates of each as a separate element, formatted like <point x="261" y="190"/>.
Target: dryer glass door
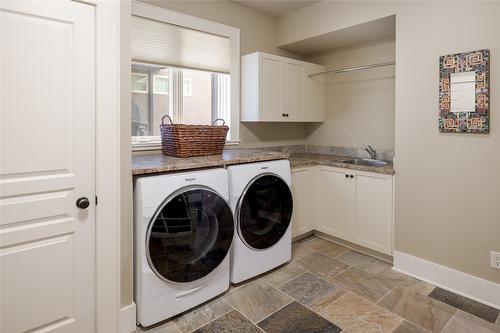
<point x="264" y="212"/>
<point x="190" y="235"/>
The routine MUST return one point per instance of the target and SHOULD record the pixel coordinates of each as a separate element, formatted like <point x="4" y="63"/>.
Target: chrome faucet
<point x="372" y="152"/>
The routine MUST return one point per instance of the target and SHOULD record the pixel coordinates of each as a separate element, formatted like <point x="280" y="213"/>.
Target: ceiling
<point x="275" y="7"/>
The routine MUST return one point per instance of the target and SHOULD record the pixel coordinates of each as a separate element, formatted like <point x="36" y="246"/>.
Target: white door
<point x="293" y="91"/>
<point x="270" y="89"/>
<point x="332" y="202"/>
<point x="372" y="221"/>
<point x="304" y="201"/>
<point x="47" y="163"/>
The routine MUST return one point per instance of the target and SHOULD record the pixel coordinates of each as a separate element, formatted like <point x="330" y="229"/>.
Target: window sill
<point x="232" y="143"/>
<point x="145" y="146"/>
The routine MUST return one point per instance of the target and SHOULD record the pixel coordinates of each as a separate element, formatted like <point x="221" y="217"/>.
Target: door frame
<point x="112" y="165"/>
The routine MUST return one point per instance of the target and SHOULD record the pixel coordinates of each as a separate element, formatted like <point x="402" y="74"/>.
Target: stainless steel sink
<point x="364" y="162"/>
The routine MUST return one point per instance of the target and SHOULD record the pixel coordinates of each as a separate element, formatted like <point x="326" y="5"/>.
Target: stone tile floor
<point x="329" y="288"/>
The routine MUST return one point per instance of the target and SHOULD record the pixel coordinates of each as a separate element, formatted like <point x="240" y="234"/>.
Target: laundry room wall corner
<point x="127" y="317"/>
<point x="111" y="160"/>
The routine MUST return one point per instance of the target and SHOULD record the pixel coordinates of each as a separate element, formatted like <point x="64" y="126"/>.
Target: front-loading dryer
<point x="261" y="200"/>
<point x="183" y="234"/>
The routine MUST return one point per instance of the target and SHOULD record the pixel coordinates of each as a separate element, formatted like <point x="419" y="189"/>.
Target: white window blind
<point x="171" y="45"/>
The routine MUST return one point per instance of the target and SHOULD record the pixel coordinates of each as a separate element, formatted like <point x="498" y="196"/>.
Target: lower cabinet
<point x="372" y="213"/>
<point x="304" y="200"/>
<point x="331" y="203"/>
<point x="352" y="205"/>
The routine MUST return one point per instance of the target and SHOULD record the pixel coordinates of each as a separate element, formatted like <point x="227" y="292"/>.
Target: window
<point x="187" y="87"/>
<point x="192" y="67"/>
<point x="202" y="95"/>
<point x="149" y="106"/>
<point x="207" y="101"/>
<point x="160" y="84"/>
<point x="139" y="83"/>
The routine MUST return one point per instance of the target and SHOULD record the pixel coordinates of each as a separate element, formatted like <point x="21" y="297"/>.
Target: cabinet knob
<point x="346" y="176"/>
<point x="82" y="203"/>
<point x="283" y="114"/>
<point x="286" y="115"/>
<point x="352" y="176"/>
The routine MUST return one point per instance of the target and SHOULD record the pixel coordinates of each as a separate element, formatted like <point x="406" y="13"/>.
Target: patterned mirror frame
<point x="465" y="122"/>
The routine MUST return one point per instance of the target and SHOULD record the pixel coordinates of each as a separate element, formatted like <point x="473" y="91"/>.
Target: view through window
<point x="188" y="96"/>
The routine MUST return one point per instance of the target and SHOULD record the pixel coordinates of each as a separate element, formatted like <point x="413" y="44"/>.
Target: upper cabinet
<point x="279" y="89"/>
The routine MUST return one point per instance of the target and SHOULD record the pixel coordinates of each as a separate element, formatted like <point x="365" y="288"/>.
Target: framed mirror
<point x="464" y="92"/>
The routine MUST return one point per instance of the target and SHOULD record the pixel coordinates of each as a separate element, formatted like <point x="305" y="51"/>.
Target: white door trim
<point x="469" y="286"/>
<point x="107" y="166"/>
<point x="127" y="319"/>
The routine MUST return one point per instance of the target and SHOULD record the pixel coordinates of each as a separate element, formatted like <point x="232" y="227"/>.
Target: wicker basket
<point x="181" y="140"/>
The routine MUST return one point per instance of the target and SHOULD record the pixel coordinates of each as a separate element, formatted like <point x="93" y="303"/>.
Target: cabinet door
<point x="271" y="107"/>
<point x="293" y="91"/>
<point x="304" y="201"/>
<point x="331" y="202"/>
<point x="372" y="220"/>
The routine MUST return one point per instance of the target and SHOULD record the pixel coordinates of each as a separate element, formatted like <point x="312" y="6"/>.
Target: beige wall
<point x="447" y="194"/>
<point x="359" y="105"/>
<point x="448" y="188"/>
<point x="258" y="32"/>
<point x="126" y="240"/>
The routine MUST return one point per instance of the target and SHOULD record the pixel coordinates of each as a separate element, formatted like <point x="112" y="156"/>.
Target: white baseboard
<point x="127" y="319"/>
<point x="302" y="233"/>
<point x="464" y="284"/>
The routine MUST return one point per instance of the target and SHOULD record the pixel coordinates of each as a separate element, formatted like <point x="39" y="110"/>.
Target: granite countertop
<point x="158" y="163"/>
<point x="298" y="160"/>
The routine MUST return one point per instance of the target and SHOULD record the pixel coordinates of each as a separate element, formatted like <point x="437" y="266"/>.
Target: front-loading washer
<point x="183" y="234"/>
<point x="261" y="200"/>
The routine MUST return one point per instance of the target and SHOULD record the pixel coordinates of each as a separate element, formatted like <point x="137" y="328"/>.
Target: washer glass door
<point x="189" y="235"/>
<point x="264" y="211"/>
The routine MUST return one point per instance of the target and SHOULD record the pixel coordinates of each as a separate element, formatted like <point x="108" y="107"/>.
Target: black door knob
<point x="82" y="203"/>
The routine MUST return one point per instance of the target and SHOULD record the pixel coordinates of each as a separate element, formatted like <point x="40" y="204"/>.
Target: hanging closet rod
<point x="353" y="69"/>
